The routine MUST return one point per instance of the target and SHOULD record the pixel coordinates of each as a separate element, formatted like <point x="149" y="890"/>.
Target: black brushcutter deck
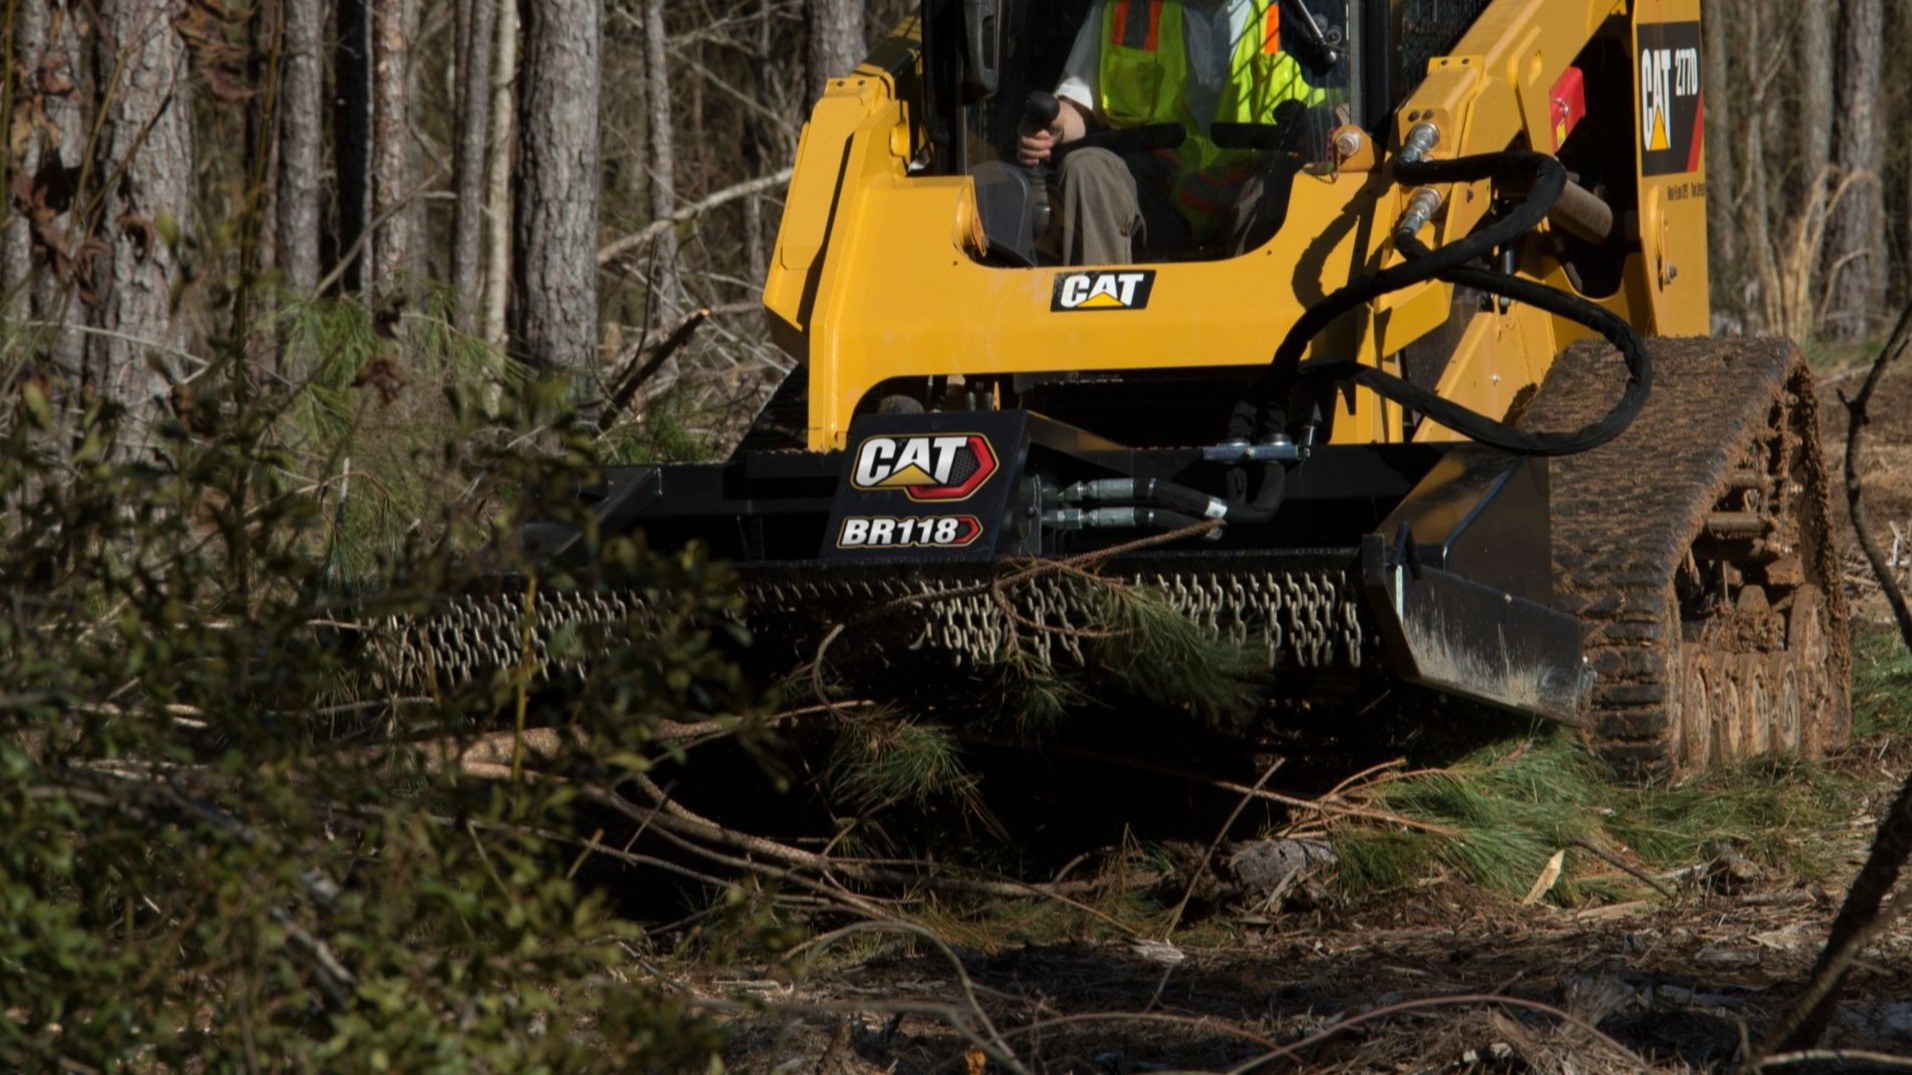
<point x="929" y="536"/>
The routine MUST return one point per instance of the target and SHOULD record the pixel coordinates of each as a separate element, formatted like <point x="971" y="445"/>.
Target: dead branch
<point x="615" y="249"/>
<point x="1621" y="864"/>
<point x="1188" y="893"/>
<point x="1327" y="806"/>
<point x="994" y="1042"/>
<point x="1841" y="1059"/>
<point x="1293" y="1050"/>
<point x="633" y="375"/>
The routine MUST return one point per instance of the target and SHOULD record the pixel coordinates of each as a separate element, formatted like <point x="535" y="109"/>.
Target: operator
<point x="1190" y="62"/>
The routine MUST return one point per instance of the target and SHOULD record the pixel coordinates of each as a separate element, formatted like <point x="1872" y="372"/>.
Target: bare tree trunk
<point x="836" y="41"/>
<point x="394" y="25"/>
<point x="1815" y="71"/>
<point x="1729" y="270"/>
<point x="301" y="142"/>
<point x="66" y="78"/>
<point x="554" y="314"/>
<point x="498" y="184"/>
<point x="26" y="42"/>
<point x="665" y="285"/>
<point x="757" y="147"/>
<point x="263" y="71"/>
<point x="1755" y="200"/>
<point x="352" y="135"/>
<point x="472" y="125"/>
<point x="146" y="164"/>
<point x="1855" y="255"/>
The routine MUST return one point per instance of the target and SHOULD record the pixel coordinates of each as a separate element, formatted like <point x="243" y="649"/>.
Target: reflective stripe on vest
<point x="1145" y="68"/>
<point x="1140" y="23"/>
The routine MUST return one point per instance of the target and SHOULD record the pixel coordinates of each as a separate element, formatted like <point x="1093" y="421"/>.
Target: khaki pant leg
<point x="1101" y="212"/>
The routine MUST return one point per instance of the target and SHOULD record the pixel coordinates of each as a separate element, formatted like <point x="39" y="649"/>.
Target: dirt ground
<point x="1671" y="987"/>
<point x="1406" y="982"/>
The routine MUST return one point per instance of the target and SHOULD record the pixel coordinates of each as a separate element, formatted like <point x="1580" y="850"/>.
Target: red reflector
<point x="1569" y="98"/>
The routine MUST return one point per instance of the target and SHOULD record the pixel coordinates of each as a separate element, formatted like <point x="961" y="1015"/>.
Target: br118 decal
<point x="909" y="532"/>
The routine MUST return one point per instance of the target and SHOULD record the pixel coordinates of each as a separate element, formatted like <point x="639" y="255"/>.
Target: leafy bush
<point x="223" y="844"/>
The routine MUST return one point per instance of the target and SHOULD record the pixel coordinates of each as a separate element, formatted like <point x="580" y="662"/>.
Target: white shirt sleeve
<point x="1080" y="75"/>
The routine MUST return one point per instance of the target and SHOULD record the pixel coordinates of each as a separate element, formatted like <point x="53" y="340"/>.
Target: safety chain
<point x="1309" y="619"/>
<point x="474" y="635"/>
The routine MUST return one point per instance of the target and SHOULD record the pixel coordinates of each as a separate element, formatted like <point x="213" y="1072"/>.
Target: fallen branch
<point x="1618" y="863"/>
<point x="994" y="1044"/>
<point x="1842" y="1059"/>
<point x="1292" y="1051"/>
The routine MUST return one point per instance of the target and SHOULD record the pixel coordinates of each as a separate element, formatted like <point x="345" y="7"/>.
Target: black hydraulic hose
<point x="1190" y="505"/>
<point x="1454" y="263"/>
<point x="1548" y="180"/>
<point x="1479" y="427"/>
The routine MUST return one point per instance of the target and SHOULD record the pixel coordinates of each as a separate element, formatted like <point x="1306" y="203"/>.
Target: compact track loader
<point x="1451" y="426"/>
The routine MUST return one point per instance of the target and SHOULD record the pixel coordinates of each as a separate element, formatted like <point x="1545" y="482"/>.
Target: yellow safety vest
<point x="1143" y="74"/>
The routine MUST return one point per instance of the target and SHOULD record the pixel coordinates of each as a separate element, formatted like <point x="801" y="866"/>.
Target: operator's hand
<point x="1034" y="147"/>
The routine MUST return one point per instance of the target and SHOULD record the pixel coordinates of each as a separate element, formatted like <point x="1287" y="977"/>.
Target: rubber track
<point x="1626" y="515"/>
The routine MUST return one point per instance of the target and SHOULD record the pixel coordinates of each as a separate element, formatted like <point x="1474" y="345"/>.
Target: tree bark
<point x="665" y="285"/>
<point x="554" y="312"/>
<point x="758" y="144"/>
<point x="1755" y="198"/>
<point x="1855" y="254"/>
<point x="498" y="183"/>
<point x="260" y="230"/>
<point x="352" y="135"/>
<point x="1729" y="272"/>
<point x="472" y="125"/>
<point x="836" y="41"/>
<point x="66" y="75"/>
<point x="26" y="44"/>
<point x="146" y="164"/>
<point x="301" y="142"/>
<point x="1815" y="71"/>
<point x="394" y="25"/>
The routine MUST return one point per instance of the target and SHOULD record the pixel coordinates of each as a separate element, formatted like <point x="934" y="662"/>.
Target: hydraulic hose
<point x="1454" y="263"/>
<point x="1457" y="263"/>
<point x="1190" y="506"/>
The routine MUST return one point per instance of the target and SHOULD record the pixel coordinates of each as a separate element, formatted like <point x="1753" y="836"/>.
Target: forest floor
<point x="1683" y="980"/>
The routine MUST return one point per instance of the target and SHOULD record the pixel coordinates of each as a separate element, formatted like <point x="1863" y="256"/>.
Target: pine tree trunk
<point x="553" y="311"/>
<point x="394" y="25"/>
<point x="836" y="41"/>
<point x="301" y="142"/>
<point x="1855" y="254"/>
<point x="665" y="286"/>
<point x="146" y="143"/>
<point x="352" y="134"/>
<point x="1728" y="269"/>
<point x="66" y="76"/>
<point x="1815" y="71"/>
<point x="498" y="182"/>
<point x="266" y="28"/>
<point x="757" y="146"/>
<point x="471" y="126"/>
<point x="26" y="43"/>
<point x="1754" y="204"/>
